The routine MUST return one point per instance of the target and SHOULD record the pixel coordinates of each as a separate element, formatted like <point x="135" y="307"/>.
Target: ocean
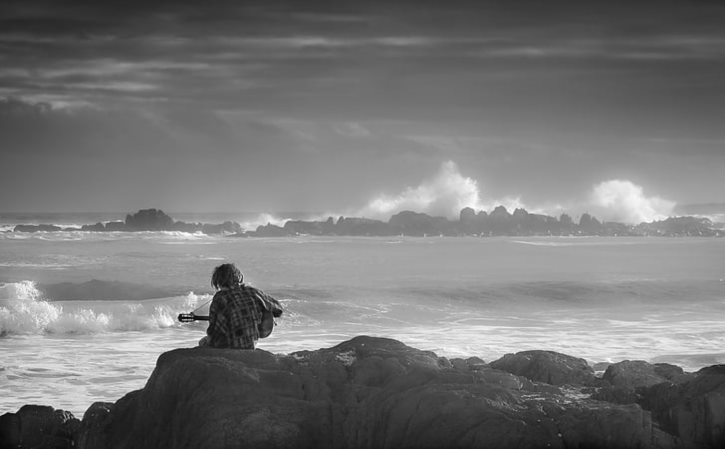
<point x="84" y="316"/>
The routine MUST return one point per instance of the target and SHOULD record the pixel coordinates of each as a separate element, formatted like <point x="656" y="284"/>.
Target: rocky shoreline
<point x="379" y="393"/>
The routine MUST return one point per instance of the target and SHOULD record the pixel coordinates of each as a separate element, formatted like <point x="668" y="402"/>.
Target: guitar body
<point x="266" y="326"/>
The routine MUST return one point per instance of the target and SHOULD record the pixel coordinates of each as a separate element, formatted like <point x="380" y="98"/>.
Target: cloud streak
<point x="536" y="99"/>
<point x="302" y="43"/>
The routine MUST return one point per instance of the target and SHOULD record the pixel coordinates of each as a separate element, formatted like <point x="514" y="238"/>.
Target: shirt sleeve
<point x="269" y="303"/>
<point x="217" y="317"/>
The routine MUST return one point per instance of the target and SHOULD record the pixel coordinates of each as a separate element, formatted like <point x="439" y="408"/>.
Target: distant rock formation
<point x="500" y="222"/>
<point x="37" y="228"/>
<point x="149" y="220"/>
<point x="379" y="393"/>
<point x="143" y="220"/>
<point x="418" y="224"/>
<point x="691" y="226"/>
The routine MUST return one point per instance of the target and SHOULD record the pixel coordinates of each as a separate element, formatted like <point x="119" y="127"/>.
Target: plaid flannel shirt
<point x="234" y="315"/>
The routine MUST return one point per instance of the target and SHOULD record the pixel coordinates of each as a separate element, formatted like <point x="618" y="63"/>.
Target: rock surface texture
<point x="379" y="393"/>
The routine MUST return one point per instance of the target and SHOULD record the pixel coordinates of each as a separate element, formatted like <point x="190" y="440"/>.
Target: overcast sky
<point x="362" y="107"/>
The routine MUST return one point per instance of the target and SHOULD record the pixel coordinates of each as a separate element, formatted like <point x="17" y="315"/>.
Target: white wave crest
<point x="23" y="312"/>
<point x="262" y="220"/>
<point x="445" y="194"/>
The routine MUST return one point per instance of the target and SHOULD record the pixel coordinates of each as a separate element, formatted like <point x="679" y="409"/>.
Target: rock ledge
<point x="379" y="393"/>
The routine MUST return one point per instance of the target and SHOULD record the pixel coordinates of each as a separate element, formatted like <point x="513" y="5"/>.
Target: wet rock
<point x="379" y="393"/>
<point x="547" y="366"/>
<point x="631" y="374"/>
<point x="39" y="427"/>
<point x="692" y="411"/>
<point x="364" y="393"/>
<point x="90" y="434"/>
<point x="624" y="380"/>
<point x="148" y="220"/>
<point x="36" y="228"/>
<point x="10" y="431"/>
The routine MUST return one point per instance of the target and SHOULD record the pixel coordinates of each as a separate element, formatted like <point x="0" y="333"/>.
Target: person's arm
<point x="217" y="318"/>
<point x="271" y="304"/>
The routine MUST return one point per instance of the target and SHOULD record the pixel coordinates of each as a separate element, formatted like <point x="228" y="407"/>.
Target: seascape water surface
<point x="84" y="316"/>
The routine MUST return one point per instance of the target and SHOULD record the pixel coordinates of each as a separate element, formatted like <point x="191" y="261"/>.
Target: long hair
<point x="226" y="275"/>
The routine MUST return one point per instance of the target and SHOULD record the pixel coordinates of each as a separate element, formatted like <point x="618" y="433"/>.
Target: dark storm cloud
<point x="267" y="53"/>
<point x="367" y="93"/>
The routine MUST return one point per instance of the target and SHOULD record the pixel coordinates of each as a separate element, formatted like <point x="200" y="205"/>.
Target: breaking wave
<point x="445" y="194"/>
<point x="23" y="311"/>
<point x="625" y="201"/>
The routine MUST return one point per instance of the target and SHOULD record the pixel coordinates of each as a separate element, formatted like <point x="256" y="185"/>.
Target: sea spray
<point x="23" y="312"/>
<point x="84" y="321"/>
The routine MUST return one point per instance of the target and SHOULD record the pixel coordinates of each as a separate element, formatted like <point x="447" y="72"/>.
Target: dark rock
<point x="631" y="374"/>
<point x="693" y="411"/>
<point x="10" y="435"/>
<point x="270" y="230"/>
<point x="681" y="226"/>
<point x="36" y="228"/>
<point x="364" y="393"/>
<point x="90" y="433"/>
<point x="115" y="226"/>
<point x="673" y="373"/>
<point x="547" y="366"/>
<point x="467" y="215"/>
<point x="469" y="364"/>
<point x="614" y="394"/>
<point x="149" y="220"/>
<point x="589" y="224"/>
<point x="228" y="227"/>
<point x="622" y="380"/>
<point x="98" y="227"/>
<point x="363" y="227"/>
<point x="566" y="222"/>
<point x="299" y="227"/>
<point x="500" y="221"/>
<point x="36" y="426"/>
<point x="470" y="224"/>
<point x="418" y="224"/>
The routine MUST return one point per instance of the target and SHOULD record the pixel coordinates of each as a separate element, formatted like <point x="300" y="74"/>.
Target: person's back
<point x="235" y="311"/>
<point x="233" y="318"/>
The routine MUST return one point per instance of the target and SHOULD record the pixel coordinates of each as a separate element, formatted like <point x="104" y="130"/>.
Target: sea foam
<point x="23" y="312"/>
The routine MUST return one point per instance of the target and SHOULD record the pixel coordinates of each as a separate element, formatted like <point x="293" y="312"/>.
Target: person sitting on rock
<point x="236" y="310"/>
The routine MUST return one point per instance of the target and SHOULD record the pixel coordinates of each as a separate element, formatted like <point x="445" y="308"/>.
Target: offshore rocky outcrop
<point x="143" y="220"/>
<point x="498" y="223"/>
<point x="379" y="393"/>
